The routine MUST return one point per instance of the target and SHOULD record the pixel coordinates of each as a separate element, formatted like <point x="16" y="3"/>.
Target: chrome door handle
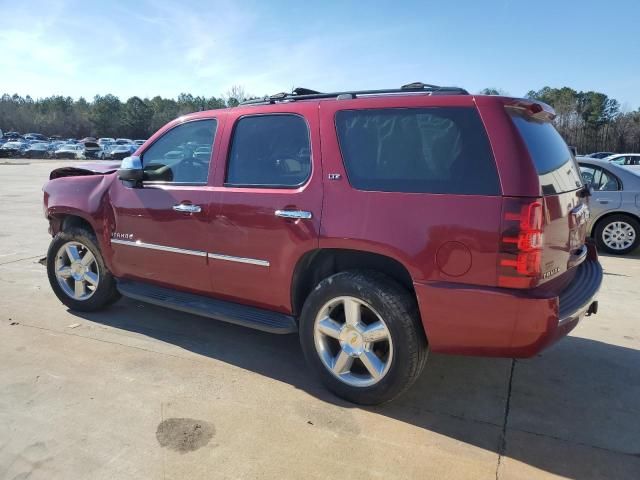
<point x="187" y="208"/>
<point x="295" y="214"/>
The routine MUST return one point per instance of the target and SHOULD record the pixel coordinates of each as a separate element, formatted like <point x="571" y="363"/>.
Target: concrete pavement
<point x="141" y="392"/>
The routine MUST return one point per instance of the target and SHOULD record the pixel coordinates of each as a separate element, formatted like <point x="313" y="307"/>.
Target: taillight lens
<point x="522" y="239"/>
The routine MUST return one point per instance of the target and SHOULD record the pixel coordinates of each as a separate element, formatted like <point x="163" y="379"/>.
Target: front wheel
<point x="360" y="331"/>
<point x="618" y="234"/>
<point x="77" y="272"/>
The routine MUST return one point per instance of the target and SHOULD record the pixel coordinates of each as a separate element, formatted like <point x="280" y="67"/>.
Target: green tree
<point x="106" y="115"/>
<point x="137" y="117"/>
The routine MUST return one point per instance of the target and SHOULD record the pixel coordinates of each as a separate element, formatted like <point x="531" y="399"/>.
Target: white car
<point x="624" y="158"/>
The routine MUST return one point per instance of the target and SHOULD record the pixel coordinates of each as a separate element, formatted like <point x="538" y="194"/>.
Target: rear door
<point x="270" y="203"/>
<point x="606" y="189"/>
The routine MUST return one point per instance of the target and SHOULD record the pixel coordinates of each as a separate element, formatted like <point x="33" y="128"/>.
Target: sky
<point x="163" y="47"/>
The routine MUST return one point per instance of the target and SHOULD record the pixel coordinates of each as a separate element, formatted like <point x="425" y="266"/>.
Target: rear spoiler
<point x="532" y="108"/>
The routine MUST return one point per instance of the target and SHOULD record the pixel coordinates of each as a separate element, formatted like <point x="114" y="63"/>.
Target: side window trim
<point x="301" y="184"/>
<point x="211" y="158"/>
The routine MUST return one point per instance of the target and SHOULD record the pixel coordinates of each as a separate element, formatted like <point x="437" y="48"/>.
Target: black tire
<point x="106" y="292"/>
<point x="602" y="224"/>
<point x="396" y="306"/>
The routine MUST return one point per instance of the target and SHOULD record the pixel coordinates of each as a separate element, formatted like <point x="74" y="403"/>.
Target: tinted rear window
<point x="427" y="150"/>
<point x="554" y="163"/>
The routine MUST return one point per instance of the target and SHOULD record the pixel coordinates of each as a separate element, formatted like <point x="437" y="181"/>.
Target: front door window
<point x="182" y="155"/>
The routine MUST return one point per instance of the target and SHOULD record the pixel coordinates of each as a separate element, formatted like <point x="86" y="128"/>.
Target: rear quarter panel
<point x="437" y="237"/>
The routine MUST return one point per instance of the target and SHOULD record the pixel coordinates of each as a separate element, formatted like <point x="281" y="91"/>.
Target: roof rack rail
<point x="301" y="93"/>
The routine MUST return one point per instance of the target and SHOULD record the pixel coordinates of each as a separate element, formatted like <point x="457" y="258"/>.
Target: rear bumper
<point x="469" y="320"/>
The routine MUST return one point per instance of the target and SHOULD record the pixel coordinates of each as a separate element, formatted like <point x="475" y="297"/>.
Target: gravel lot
<point x="140" y="392"/>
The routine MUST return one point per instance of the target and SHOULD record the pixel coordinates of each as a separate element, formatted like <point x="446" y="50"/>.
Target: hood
<point x="102" y="168"/>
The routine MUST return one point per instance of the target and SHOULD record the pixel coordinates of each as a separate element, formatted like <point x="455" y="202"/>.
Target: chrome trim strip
<point x="198" y="253"/>
<point x="153" y="246"/>
<point x="230" y="258"/>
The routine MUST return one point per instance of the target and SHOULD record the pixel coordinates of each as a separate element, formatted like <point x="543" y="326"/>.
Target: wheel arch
<point x="318" y="264"/>
<point x="63" y="219"/>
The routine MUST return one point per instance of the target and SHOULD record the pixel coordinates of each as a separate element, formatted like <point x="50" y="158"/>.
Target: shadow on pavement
<point x="573" y="410"/>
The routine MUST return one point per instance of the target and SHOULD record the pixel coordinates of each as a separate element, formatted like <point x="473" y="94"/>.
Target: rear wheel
<point x="618" y="234"/>
<point x="77" y="272"/>
<point x="360" y="332"/>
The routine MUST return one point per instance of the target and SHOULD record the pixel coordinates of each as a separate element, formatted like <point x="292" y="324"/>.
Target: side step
<point x="265" y="320"/>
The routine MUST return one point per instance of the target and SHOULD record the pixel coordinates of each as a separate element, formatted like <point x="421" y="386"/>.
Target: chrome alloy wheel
<point x="618" y="235"/>
<point x="77" y="271"/>
<point x="353" y="342"/>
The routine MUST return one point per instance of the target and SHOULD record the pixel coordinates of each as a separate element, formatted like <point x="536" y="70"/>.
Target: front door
<point x="270" y="204"/>
<point x="159" y="230"/>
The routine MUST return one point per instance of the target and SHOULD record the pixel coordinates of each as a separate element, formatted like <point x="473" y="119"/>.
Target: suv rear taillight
<point x="521" y="242"/>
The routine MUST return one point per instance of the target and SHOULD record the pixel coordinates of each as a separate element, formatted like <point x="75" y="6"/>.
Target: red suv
<point x="377" y="224"/>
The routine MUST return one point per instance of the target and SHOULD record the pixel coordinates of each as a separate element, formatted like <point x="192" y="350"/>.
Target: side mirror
<point x="130" y="170"/>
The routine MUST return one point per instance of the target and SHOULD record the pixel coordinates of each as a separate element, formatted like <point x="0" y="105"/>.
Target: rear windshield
<point x="426" y="150"/>
<point x="554" y="163"/>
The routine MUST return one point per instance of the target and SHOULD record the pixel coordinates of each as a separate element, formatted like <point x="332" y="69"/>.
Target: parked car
<point x="449" y="220"/>
<point x="107" y="147"/>
<point x="12" y="135"/>
<point x="38" y="150"/>
<point x="123" y="141"/>
<point x="139" y="142"/>
<point x="55" y="145"/>
<point x="624" y="159"/>
<point x="35" y="136"/>
<point x="600" y="154"/>
<point x="93" y="150"/>
<point x="106" y="140"/>
<point x="615" y="209"/>
<point x="12" y="149"/>
<point x="69" y="150"/>
<point x="118" y="152"/>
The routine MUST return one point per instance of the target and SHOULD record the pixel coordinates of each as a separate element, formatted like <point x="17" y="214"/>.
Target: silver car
<point x="614" y="204"/>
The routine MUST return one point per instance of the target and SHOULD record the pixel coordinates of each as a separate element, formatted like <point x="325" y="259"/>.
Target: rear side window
<point x="554" y="163"/>
<point x="269" y="151"/>
<point x="426" y="150"/>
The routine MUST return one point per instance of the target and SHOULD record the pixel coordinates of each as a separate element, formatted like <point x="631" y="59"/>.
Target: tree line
<point x="105" y="115"/>
<point x="590" y="121"/>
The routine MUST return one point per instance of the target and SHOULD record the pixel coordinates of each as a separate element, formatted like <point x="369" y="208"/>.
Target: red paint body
<point x="447" y="243"/>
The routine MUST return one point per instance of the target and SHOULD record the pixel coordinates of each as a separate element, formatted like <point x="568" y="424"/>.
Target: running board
<point x="259" y="319"/>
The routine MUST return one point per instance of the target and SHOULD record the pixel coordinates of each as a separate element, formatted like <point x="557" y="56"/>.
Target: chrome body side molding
<point x="198" y="253"/>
